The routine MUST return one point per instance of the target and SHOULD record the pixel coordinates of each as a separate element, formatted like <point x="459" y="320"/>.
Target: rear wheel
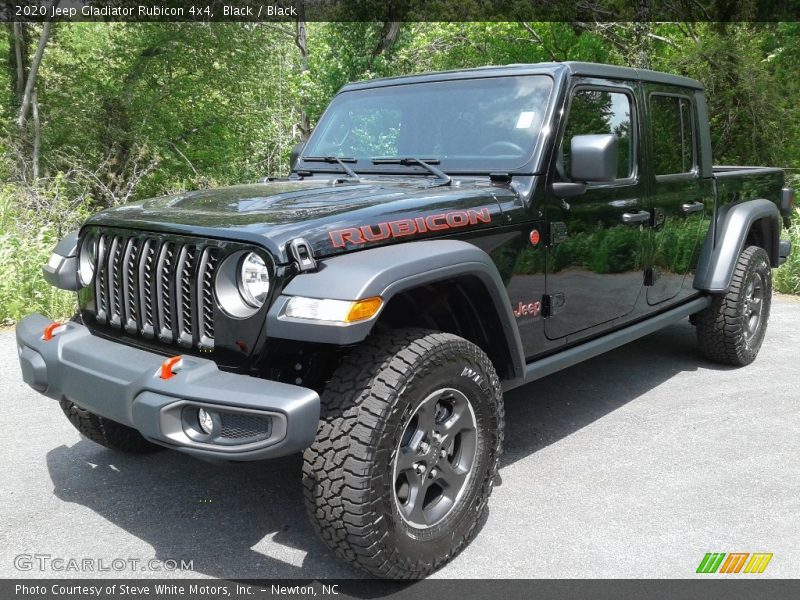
<point x="732" y="329"/>
<point x="106" y="432"/>
<point x="407" y="452"/>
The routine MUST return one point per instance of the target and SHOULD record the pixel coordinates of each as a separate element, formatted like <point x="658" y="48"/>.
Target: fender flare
<point x="61" y="270"/>
<point x="725" y="242"/>
<point x="385" y="272"/>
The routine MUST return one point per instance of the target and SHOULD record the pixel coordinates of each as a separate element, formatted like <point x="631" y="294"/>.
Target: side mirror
<point x="594" y="157"/>
<point x="295" y="154"/>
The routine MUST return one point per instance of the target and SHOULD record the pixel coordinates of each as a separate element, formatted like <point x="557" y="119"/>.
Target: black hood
<point x="332" y="217"/>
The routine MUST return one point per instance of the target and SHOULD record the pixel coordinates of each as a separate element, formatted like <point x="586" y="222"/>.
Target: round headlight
<point x="254" y="280"/>
<point x="242" y="284"/>
<point x="87" y="259"/>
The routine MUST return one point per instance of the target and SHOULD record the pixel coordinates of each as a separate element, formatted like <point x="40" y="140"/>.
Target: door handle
<point x="693" y="207"/>
<point x="636" y="218"/>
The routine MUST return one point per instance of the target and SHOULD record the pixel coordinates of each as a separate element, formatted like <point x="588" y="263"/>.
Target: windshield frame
<point x="528" y="164"/>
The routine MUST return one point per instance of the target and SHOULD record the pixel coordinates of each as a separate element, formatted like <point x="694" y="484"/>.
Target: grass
<point x="787" y="277"/>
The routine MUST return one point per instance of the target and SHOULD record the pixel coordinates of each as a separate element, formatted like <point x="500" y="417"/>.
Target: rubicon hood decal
<point x="332" y="218"/>
<point x="355" y="236"/>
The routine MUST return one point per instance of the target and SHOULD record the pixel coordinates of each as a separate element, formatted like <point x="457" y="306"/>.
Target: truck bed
<point x="740" y="183"/>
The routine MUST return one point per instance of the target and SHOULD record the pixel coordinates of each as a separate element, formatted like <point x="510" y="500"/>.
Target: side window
<point x="673" y="139"/>
<point x="595" y="112"/>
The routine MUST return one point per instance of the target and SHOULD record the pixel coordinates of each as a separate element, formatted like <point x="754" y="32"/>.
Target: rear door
<point x="594" y="266"/>
<point x="680" y="202"/>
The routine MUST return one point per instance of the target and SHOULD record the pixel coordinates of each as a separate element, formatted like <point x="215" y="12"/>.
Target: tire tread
<point x="720" y="329"/>
<point x="106" y="432"/>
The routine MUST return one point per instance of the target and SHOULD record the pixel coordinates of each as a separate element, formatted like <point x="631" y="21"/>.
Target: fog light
<point x="205" y="421"/>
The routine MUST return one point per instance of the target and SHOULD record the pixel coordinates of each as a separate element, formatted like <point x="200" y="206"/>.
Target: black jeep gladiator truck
<point x="441" y="238"/>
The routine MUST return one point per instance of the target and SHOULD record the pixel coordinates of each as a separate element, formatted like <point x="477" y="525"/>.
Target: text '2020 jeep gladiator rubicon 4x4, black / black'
<point x="441" y="238"/>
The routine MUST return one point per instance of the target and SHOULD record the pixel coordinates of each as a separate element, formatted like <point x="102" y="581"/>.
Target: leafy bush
<point x="31" y="223"/>
<point x="787" y="277"/>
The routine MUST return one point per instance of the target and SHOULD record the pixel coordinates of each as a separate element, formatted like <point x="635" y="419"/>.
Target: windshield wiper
<point x="342" y="162"/>
<point x="412" y="160"/>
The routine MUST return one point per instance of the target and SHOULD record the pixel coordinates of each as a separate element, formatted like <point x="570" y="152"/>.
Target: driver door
<point x="594" y="272"/>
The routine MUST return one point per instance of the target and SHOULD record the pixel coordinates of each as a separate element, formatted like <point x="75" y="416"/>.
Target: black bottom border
<point x="728" y="588"/>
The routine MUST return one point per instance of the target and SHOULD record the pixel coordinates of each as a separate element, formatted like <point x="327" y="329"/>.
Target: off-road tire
<point x="106" y="432"/>
<point x="722" y="330"/>
<point x="348" y="476"/>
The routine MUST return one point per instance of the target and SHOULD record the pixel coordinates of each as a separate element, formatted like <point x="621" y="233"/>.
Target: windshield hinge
<point x="300" y="251"/>
<point x="500" y="177"/>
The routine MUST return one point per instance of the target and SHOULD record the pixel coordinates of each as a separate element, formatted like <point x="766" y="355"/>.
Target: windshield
<point x="473" y="125"/>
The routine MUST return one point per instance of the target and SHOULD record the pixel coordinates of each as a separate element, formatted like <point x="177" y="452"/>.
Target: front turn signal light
<point x="363" y="309"/>
<point x="332" y="311"/>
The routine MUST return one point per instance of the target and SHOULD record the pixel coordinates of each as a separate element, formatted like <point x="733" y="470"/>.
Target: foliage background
<point x="128" y="110"/>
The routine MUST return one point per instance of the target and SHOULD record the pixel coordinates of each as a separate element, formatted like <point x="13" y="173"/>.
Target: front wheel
<point x="406" y="453"/>
<point x="732" y="329"/>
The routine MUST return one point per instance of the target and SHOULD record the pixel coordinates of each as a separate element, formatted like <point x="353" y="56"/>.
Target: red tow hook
<point x="50" y="331"/>
<point x="168" y="366"/>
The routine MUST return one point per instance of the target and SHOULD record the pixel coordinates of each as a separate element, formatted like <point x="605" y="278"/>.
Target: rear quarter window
<point x="673" y="134"/>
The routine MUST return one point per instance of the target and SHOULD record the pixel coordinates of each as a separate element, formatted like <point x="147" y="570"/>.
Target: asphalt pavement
<point x="634" y="464"/>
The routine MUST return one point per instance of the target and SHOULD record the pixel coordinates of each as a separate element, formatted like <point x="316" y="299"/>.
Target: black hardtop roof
<point x="552" y="68"/>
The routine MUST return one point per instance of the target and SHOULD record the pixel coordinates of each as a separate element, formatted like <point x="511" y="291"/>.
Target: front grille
<point x="156" y="288"/>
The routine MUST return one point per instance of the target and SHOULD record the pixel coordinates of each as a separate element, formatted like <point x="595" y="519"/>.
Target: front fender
<point x="385" y="272"/>
<point x="723" y="245"/>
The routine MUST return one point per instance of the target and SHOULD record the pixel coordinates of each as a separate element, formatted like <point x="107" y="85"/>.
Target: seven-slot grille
<point x="156" y="288"/>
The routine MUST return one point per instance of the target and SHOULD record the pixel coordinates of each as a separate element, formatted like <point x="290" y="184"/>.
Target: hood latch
<point x="300" y="251"/>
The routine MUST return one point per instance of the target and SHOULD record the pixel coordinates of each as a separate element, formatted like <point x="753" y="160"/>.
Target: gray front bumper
<point x="123" y="384"/>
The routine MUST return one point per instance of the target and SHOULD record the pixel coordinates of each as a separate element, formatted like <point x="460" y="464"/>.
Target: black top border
<point x="254" y="11"/>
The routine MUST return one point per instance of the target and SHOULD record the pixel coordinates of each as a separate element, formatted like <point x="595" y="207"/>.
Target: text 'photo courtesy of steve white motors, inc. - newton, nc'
<point x="171" y="590"/>
<point x="73" y="10"/>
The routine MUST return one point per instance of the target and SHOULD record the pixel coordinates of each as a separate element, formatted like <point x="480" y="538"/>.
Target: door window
<point x="598" y="112"/>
